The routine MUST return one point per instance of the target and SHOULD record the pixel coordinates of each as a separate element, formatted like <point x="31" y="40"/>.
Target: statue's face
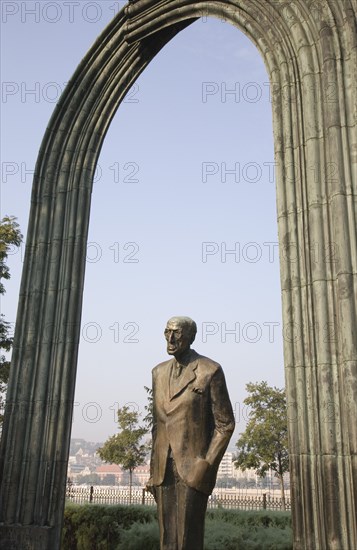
<point x="177" y="337"/>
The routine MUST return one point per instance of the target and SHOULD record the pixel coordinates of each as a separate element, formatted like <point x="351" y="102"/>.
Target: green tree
<point x="125" y="448"/>
<point x="264" y="444"/>
<point x="10" y="236"/>
<point x="148" y="419"/>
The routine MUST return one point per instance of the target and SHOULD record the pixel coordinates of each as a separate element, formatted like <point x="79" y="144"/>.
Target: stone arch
<point x="309" y="48"/>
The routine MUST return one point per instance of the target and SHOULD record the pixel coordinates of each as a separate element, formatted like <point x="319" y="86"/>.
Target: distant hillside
<point x="88" y="447"/>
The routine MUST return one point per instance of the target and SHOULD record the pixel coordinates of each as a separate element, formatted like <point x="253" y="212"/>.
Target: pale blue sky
<point x="161" y="192"/>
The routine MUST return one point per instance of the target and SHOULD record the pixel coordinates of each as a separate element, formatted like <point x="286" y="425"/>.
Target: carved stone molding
<point x="309" y="48"/>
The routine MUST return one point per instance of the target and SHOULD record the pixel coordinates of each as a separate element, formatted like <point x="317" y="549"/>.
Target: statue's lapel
<point x="186" y="377"/>
<point x="168" y="385"/>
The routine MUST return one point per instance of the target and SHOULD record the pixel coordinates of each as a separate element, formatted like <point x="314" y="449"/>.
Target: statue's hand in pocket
<point x="200" y="477"/>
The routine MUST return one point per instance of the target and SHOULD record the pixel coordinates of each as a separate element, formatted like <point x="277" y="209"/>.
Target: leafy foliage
<point x="139" y="536"/>
<point x="93" y="527"/>
<point x="148" y="419"/>
<point x="125" y="448"/>
<point x="10" y="236"/>
<point x="264" y="444"/>
<point x="222" y="535"/>
<point x="251" y="518"/>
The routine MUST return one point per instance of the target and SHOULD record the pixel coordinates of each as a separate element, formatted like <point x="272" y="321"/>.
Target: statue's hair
<point x="188" y="324"/>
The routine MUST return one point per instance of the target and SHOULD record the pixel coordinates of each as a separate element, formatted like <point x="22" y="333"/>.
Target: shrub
<point x="261" y="518"/>
<point x="267" y="538"/>
<point x="223" y="535"/>
<point x="248" y="530"/>
<point x="140" y="536"/>
<point x="94" y="527"/>
<point x="241" y="530"/>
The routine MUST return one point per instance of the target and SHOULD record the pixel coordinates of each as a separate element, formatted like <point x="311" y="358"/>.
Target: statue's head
<point x="180" y="332"/>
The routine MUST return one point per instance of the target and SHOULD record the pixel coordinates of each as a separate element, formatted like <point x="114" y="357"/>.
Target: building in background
<point x="85" y="467"/>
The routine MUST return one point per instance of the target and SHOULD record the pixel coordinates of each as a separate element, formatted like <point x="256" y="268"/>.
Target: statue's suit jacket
<point x="195" y="420"/>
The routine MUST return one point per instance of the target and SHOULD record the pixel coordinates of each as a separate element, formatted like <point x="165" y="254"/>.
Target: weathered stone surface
<point x="25" y="537"/>
<point x="309" y="48"/>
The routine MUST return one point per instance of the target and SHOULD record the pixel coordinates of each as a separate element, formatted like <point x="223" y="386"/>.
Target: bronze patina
<point x="193" y="422"/>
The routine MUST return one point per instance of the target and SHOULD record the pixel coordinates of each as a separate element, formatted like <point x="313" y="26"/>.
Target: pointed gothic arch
<point x="309" y="48"/>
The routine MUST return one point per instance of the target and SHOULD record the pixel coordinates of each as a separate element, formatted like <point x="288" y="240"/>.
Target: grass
<point x="94" y="527"/>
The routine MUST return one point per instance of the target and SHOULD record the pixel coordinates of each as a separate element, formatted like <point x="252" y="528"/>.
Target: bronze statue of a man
<point x="192" y="424"/>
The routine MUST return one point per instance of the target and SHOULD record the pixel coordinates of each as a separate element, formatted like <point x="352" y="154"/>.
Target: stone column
<point x="310" y="51"/>
<point x="309" y="48"/>
<point x="37" y="426"/>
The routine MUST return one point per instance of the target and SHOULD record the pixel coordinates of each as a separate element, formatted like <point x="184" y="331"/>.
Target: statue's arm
<point x="203" y="474"/>
<point x="223" y="417"/>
